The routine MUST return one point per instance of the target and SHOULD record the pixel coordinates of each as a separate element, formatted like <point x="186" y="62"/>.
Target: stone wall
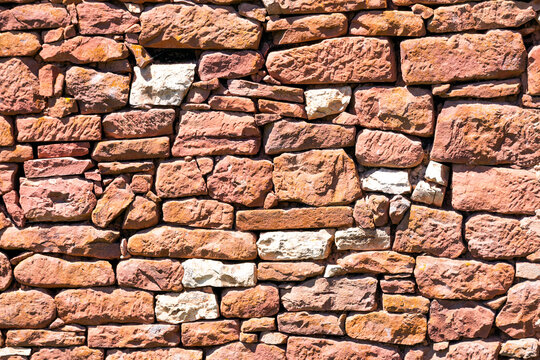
<point x="291" y="179"/>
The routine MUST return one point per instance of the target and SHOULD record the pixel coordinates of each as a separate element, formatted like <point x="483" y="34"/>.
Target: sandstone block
<point x="133" y="336"/>
<point x="295" y="245"/>
<point x="258" y="301"/>
<point x="299" y="29"/>
<point x="321" y="102"/>
<point x="228" y="64"/>
<point x="14" y="43"/>
<point x="176" y="308"/>
<point x="405" y="304"/>
<point x="84" y="50"/>
<point x="178" y="178"/>
<point x="5" y="272"/>
<point x="533" y="73"/>
<point x="519" y="316"/>
<point x="326" y="6"/>
<point x="388" y="181"/>
<point x="304" y="323"/>
<point x="247" y="351"/>
<point x="138" y="123"/>
<point x="210" y="333"/>
<point x="152" y="275"/>
<point x="288" y="271"/>
<point x="304" y="348"/>
<point x="155" y="354"/>
<point x="377" y="262"/>
<point x="363" y="239"/>
<point x="48" y="128"/>
<point x="199" y="213"/>
<point x="117" y="196"/>
<point x="104" y="18"/>
<point x="256" y="90"/>
<point x="56" y="167"/>
<point x="30" y="309"/>
<point x="19" y="92"/>
<point x="387" y="23"/>
<point x="134" y="149"/>
<point x="39" y="338"/>
<point x="201" y="272"/>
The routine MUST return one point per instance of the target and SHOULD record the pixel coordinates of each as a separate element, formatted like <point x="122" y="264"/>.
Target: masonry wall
<point x="292" y="179"/>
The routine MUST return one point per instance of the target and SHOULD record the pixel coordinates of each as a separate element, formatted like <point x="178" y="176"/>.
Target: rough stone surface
<point x="34" y="16"/>
<point x="377" y="262"/>
<point x="210" y="214"/>
<point x="14" y="43"/>
<point x="387" y="23"/>
<point x="20" y="87"/>
<point x="133" y="336"/>
<point x="228" y="64"/>
<point x="115" y="199"/>
<point x="533" y="74"/>
<point x="209" y="333"/>
<point x="300" y="29"/>
<point x="176" y="308"/>
<point x="201" y="272"/>
<point x="519" y="316"/>
<point x="388" y="181"/>
<point x="31" y="309"/>
<point x="259" y="301"/>
<point x="157" y="354"/>
<point x="84" y="50"/>
<point x="321" y="102"/>
<point x="325" y="6"/>
<point x="304" y="348"/>
<point x="137" y="123"/>
<point x="153" y="275"/>
<point x="242" y="351"/>
<point x="322" y="217"/>
<point x="363" y="239"/>
<point x="104" y="18"/>
<point x="295" y="245"/>
<point x="48" y="128"/>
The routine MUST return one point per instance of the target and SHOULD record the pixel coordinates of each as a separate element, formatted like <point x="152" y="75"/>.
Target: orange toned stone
<point x="210" y="333"/>
<point x="75" y="353"/>
<point x="142" y="213"/>
<point x="34" y="16"/>
<point x="282" y="109"/>
<point x="6" y="132"/>
<point x="288" y="271"/>
<point x="19" y="89"/>
<point x="519" y="316"/>
<point x="259" y="301"/>
<point x="152" y="275"/>
<point x="16" y="43"/>
<point x="325" y="6"/>
<point x="5" y="272"/>
<point x="405" y="304"/>
<point x="17" y="153"/>
<point x="135" y="149"/>
<point x="239" y="350"/>
<point x="179" y="178"/>
<point x="7" y="177"/>
<point x="31" y="338"/>
<point x="84" y="50"/>
<point x="157" y="354"/>
<point x="377" y="262"/>
<point x="133" y="336"/>
<point x="139" y="123"/>
<point x="30" y="309"/>
<point x="199" y="213"/>
<point x="533" y="71"/>
<point x="104" y="18"/>
<point x="387" y="23"/>
<point x="301" y="29"/>
<point x="117" y="196"/>
<point x="259" y="324"/>
<point x="304" y="323"/>
<point x="47" y="128"/>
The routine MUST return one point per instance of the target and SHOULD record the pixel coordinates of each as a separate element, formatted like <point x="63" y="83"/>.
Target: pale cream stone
<point x="202" y="272"/>
<point x="321" y="102"/>
<point x="428" y="193"/>
<point x="527" y="270"/>
<point x="437" y="173"/>
<point x="176" y="308"/>
<point x="295" y="245"/>
<point x="388" y="181"/>
<point x="521" y="349"/>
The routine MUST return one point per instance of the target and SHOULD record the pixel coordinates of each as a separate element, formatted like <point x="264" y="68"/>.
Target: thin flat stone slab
<point x="275" y="7"/>
<point x="305" y="348"/>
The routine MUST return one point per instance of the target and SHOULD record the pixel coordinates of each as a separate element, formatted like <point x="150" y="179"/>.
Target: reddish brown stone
<point x="533" y="71"/>
<point x="135" y="149"/>
<point x="229" y="64"/>
<point x="117" y="196"/>
<point x="462" y="279"/>
<point x="241" y="180"/>
<point x="256" y="90"/>
<point x="352" y="59"/>
<point x="324" y="6"/>
<point x="34" y="16"/>
<point x="477" y="350"/>
<point x="142" y="213"/>
<point x="456" y="320"/>
<point x="30" y="309"/>
<point x="300" y="29"/>
<point x="104" y="18"/>
<point x="56" y="167"/>
<point x="288" y="271"/>
<point x="16" y="43"/>
<point x="138" y="123"/>
<point x="63" y="150"/>
<point x="216" y="133"/>
<point x="46" y="128"/>
<point x="210" y="333"/>
<point x="117" y="167"/>
<point x="178" y="178"/>
<point x="84" y="50"/>
<point x="519" y="316"/>
<point x="177" y="242"/>
<point x="397" y="286"/>
<point x="31" y="338"/>
<point x="157" y="354"/>
<point x="199" y="213"/>
<point x="304" y="323"/>
<point x="282" y="109"/>
<point x="387" y="23"/>
<point x="6" y="131"/>
<point x="231" y="103"/>
<point x="75" y="353"/>
<point x="133" y="336"/>
<point x="482" y="90"/>
<point x="502" y="190"/>
<point x="259" y="301"/>
<point x="433" y="231"/>
<point x="19" y="92"/>
<point x="7" y="177"/>
<point x="387" y="149"/>
<point x="17" y="153"/>
<point x="5" y="272"/>
<point x="377" y="262"/>
<point x="105" y="305"/>
<point x="243" y="351"/>
<point x="153" y="275"/>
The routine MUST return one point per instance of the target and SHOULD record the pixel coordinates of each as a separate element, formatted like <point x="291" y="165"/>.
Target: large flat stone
<point x="48" y="128"/>
<point x="304" y="348"/>
<point x="295" y="245"/>
<point x="325" y="6"/>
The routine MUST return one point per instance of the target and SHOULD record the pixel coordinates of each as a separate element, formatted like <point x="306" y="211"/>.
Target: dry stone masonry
<point x="269" y="180"/>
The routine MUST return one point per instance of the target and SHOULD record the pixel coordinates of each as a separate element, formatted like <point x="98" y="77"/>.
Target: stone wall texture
<point x="269" y="180"/>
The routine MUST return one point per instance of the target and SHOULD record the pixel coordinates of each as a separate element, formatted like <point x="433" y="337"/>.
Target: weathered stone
<point x="243" y="351"/>
<point x="299" y="218"/>
<point x="105" y="305"/>
<point x="533" y="73"/>
<point x="117" y="196"/>
<point x="17" y="153"/>
<point x="34" y="16"/>
<point x="502" y="190"/>
<point x="398" y="286"/>
<point x="486" y="134"/>
<point x="47" y="128"/>
<point x="428" y="193"/>
<point x="481" y="90"/>
<point x="19" y="92"/>
<point x="432" y="231"/>
<point x="84" y="50"/>
<point x="258" y="324"/>
<point x="282" y="109"/>
<point x="50" y="272"/>
<point x="381" y="148"/>
<point x="104" y="18"/>
<point x="77" y="240"/>
<point x="231" y="103"/>
<point x="40" y="338"/>
<point x="527" y="270"/>
<point x="56" y="167"/>
<point x="381" y="326"/>
<point x="63" y="150"/>
<point x="176" y="308"/>
<point x="456" y="320"/>
<point x="303" y="348"/>
<point x="432" y="60"/>
<point x="259" y="301"/>
<point x="142" y="213"/>
<point x="273" y="338"/>
<point x="202" y="272"/>
<point x="295" y="245"/>
<point x="352" y="293"/>
<point x="7" y="177"/>
<point x="363" y="239"/>
<point x="498" y="237"/>
<point x="14" y="43"/>
<point x="321" y="102"/>
<point x="316" y="177"/>
<point x="256" y="90"/>
<point x="241" y="180"/>
<point x="210" y="333"/>
<point x="288" y="271"/>
<point x="30" y="309"/>
<point x="481" y="16"/>
<point x="97" y="91"/>
<point x="179" y="178"/>
<point x="299" y="29"/>
<point x="6" y="131"/>
<point x="161" y="84"/>
<point x="153" y="275"/>
<point x="57" y="199"/>
<point x="5" y="272"/>
<point x="275" y="7"/>
<point x="229" y="64"/>
<point x="388" y="181"/>
<point x="387" y="23"/>
<point x="134" y="149"/>
<point x="216" y="133"/>
<point x="462" y="279"/>
<point x="157" y="354"/>
<point x="521" y="349"/>
<point x="304" y="323"/>
<point x="177" y="242"/>
<point x="350" y="59"/>
<point x="74" y="353"/>
<point x="133" y="336"/>
<point x="377" y="262"/>
<point x="283" y="136"/>
<point x="138" y="123"/>
<point x="192" y="26"/>
<point x="199" y="213"/>
<point x="519" y="316"/>
<point x="405" y="304"/>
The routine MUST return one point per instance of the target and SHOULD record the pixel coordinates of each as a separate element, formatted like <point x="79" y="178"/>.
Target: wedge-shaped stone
<point x="433" y="231"/>
<point x="153" y="275"/>
<point x="8" y="174"/>
<point x="19" y="89"/>
<point x="499" y="237"/>
<point x="433" y="60"/>
<point x="363" y="239"/>
<point x="480" y="16"/>
<point x="34" y="338"/>
<point x="239" y="350"/>
<point x="84" y="50"/>
<point x="377" y="262"/>
<point x="133" y="336"/>
<point x="301" y="29"/>
<point x="138" y="123"/>
<point x="51" y="272"/>
<point x="343" y="60"/>
<point x="325" y="6"/>
<point x="519" y="316"/>
<point x="161" y="84"/>
<point x="14" y="43"/>
<point x="255" y="302"/>
<point x="199" y="213"/>
<point x="316" y="177"/>
<point x="462" y="279"/>
<point x="304" y="323"/>
<point x="216" y="133"/>
<point x="201" y="273"/>
<point x="388" y="181"/>
<point x="116" y="197"/>
<point x="105" y="305"/>
<point x="210" y="333"/>
<point x="76" y="240"/>
<point x="487" y="134"/>
<point x="299" y="218"/>
<point x="284" y="136"/>
<point x="177" y="242"/>
<point x="155" y="354"/>
<point x="57" y="199"/>
<point x="34" y="16"/>
<point x="304" y="348"/>
<point x="295" y="245"/>
<point x="47" y="128"/>
<point x="30" y="309"/>
<point x="352" y="293"/>
<point x="388" y="23"/>
<point x="194" y="26"/>
<point x="187" y="306"/>
<point x="135" y="149"/>
<point x="256" y="90"/>
<point x="502" y="190"/>
<point x="381" y="326"/>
